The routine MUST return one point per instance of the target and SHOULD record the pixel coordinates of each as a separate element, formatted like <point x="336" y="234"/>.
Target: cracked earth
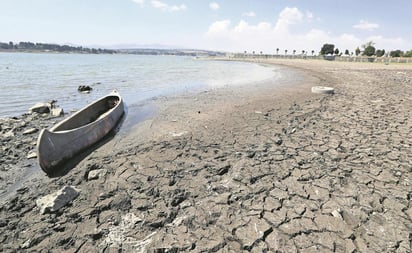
<point x="276" y="170"/>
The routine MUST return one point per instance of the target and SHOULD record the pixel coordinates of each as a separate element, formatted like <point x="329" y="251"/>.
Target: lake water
<point x="28" y="78"/>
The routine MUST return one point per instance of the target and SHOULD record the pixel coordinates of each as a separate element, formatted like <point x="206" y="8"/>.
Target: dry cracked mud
<point x="279" y="171"/>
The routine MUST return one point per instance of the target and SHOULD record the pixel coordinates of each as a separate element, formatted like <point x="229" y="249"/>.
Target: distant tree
<point x="26" y="45"/>
<point x="396" y="53"/>
<point x="369" y="49"/>
<point x="261" y="52"/>
<point x="4" y="45"/>
<point x="336" y="51"/>
<point x="253" y="52"/>
<point x="408" y="54"/>
<point x="357" y="51"/>
<point x="277" y="50"/>
<point x="245" y="52"/>
<point x="303" y="51"/>
<point x="286" y="51"/>
<point x="294" y="51"/>
<point x="327" y="49"/>
<point x="313" y="52"/>
<point x="380" y="53"/>
<point x="346" y="52"/>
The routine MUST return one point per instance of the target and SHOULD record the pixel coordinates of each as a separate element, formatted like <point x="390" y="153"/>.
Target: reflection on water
<point x="27" y="78"/>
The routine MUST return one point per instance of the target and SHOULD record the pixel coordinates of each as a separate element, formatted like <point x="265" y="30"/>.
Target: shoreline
<point x="280" y="168"/>
<point x="26" y="170"/>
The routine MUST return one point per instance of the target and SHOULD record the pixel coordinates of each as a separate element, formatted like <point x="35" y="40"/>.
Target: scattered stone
<point x="57" y="112"/>
<point x="336" y="214"/>
<point x="30" y="131"/>
<point x="95" y="174"/>
<point x="223" y="170"/>
<point x="8" y="134"/>
<point x="53" y="202"/>
<point x="278" y="140"/>
<point x="26" y="244"/>
<point x="40" y="108"/>
<point x="85" y="88"/>
<point x="323" y="90"/>
<point x="31" y="155"/>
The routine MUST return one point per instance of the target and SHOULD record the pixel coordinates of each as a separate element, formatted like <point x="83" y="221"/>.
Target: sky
<point x="222" y="25"/>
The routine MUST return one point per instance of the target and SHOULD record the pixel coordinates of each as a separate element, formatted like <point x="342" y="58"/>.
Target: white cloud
<point x="165" y="7"/>
<point x="266" y="36"/>
<point x="365" y="25"/>
<point x="159" y="5"/>
<point x="249" y="14"/>
<point x="214" y="6"/>
<point x="181" y="7"/>
<point x="287" y="17"/>
<point x="218" y="28"/>
<point x="141" y="2"/>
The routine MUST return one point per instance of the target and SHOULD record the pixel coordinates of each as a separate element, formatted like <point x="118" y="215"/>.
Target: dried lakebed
<point x="296" y="174"/>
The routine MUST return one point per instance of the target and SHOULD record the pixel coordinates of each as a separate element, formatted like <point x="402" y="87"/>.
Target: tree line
<point x="368" y="50"/>
<point x="22" y="46"/>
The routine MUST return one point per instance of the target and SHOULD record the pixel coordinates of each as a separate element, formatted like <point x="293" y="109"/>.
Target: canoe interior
<point x="88" y="115"/>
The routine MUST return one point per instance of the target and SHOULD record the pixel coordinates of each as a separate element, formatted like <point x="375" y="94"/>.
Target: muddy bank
<point x="18" y="138"/>
<point x="234" y="170"/>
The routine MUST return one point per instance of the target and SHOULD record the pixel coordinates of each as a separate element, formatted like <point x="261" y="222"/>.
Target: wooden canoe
<point x="78" y="132"/>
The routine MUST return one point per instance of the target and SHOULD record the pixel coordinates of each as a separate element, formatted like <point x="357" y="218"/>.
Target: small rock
<point x="95" y="174"/>
<point x="57" y="112"/>
<point x="278" y="140"/>
<point x="32" y="154"/>
<point x="84" y="88"/>
<point x="26" y="244"/>
<point x="336" y="214"/>
<point x="53" y="202"/>
<point x="30" y="131"/>
<point x="40" y="108"/>
<point x="223" y="170"/>
<point x="9" y="134"/>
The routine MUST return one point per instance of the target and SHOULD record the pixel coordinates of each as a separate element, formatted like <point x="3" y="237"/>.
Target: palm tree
<point x="277" y="50"/>
<point x="313" y="51"/>
<point x="294" y="51"/>
<point x="303" y="52"/>
<point x="286" y="51"/>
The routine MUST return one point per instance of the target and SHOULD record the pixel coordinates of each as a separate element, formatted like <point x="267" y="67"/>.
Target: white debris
<point x="53" y="202"/>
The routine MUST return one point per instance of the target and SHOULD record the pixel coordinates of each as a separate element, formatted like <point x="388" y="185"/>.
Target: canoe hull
<point x="78" y="132"/>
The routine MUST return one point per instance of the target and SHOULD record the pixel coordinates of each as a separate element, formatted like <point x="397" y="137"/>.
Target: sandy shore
<point x="262" y="168"/>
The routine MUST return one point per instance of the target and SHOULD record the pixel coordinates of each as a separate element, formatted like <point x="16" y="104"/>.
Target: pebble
<point x="30" y="131"/>
<point x="31" y="155"/>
